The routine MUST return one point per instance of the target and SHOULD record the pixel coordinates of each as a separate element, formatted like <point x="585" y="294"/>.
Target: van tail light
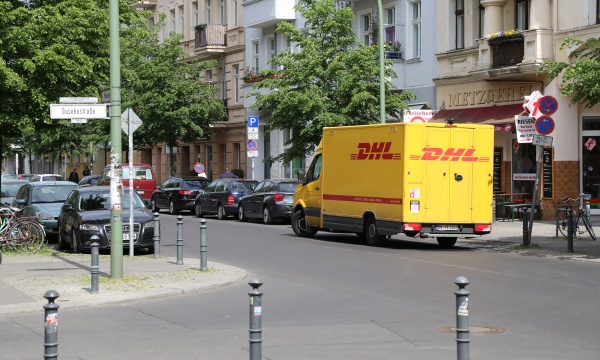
<point x="185" y="192"/>
<point x="278" y="197"/>
<point x="230" y="199"/>
<point x="483" y="228"/>
<point x="411" y="227"/>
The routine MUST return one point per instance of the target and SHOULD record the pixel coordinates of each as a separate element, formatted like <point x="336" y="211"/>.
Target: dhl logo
<point x="375" y="151"/>
<point x="450" y="154"/>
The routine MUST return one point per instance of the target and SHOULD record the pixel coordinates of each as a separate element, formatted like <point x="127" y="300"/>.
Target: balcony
<point x="209" y="35"/>
<point x="507" y="51"/>
<point x="143" y="4"/>
<point x="266" y="13"/>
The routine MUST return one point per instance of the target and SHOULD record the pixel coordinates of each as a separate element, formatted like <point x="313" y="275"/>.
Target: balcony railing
<point x="210" y="35"/>
<point x="507" y="51"/>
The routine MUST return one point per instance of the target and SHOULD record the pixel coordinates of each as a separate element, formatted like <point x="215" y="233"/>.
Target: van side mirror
<point x="301" y="177"/>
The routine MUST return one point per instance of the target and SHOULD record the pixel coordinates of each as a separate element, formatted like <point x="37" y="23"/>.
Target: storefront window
<point x="523" y="169"/>
<point x="590" y="160"/>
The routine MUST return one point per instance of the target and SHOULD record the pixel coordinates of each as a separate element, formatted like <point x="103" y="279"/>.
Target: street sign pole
<point x="130" y="133"/>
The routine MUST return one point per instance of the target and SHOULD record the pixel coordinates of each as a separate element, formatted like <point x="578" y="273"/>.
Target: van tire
<point x="446" y="242"/>
<point x="300" y="226"/>
<point x="371" y="236"/>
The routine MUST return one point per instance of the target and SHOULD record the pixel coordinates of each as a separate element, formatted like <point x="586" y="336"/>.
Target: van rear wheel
<point x="371" y="236"/>
<point x="300" y="226"/>
<point x="446" y="242"/>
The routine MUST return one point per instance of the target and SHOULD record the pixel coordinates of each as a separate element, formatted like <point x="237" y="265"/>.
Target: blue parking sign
<point x="253" y="121"/>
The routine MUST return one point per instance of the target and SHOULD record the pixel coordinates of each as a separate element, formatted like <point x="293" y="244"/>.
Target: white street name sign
<point x="78" y="111"/>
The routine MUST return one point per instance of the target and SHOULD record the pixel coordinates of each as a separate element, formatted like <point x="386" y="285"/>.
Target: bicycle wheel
<point x="588" y="226"/>
<point x="561" y="222"/>
<point x="32" y="236"/>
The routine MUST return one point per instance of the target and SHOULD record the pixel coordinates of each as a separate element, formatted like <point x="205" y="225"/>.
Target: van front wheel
<point x="300" y="226"/>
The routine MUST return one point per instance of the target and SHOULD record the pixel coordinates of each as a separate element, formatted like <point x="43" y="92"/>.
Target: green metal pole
<point x="381" y="61"/>
<point x="116" y="184"/>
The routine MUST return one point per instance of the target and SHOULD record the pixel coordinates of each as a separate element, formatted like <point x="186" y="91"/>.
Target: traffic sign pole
<point x="130" y="152"/>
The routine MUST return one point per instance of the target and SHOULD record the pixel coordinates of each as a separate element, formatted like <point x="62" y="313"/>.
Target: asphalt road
<point x="331" y="297"/>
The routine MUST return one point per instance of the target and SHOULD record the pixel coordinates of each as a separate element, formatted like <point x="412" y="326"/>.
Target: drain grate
<point x="475" y="330"/>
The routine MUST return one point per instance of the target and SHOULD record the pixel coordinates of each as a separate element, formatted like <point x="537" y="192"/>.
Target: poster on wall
<point x="497" y="170"/>
<point x="548" y="168"/>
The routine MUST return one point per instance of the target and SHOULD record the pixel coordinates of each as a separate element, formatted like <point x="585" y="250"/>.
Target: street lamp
<point x="381" y="61"/>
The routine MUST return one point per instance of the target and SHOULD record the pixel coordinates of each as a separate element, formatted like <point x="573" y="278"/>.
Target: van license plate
<point x="126" y="236"/>
<point x="446" y="228"/>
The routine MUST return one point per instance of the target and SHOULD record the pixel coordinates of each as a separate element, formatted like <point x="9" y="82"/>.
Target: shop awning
<point x="495" y="115"/>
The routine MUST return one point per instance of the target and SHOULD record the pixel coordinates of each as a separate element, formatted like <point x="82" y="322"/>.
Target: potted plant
<point x="393" y="50"/>
<point x="250" y="75"/>
<point x="268" y="74"/>
<point x="505" y="36"/>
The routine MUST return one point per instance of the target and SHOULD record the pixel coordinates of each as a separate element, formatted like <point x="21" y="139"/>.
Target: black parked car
<point x="89" y="180"/>
<point x="178" y="193"/>
<point x="221" y="197"/>
<point x="86" y="212"/>
<point x="272" y="199"/>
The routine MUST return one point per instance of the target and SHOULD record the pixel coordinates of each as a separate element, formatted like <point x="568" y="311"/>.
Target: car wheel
<point x="371" y="235"/>
<point x="267" y="216"/>
<point x="62" y="245"/>
<point x="74" y="243"/>
<point x="241" y="215"/>
<point x="172" y="209"/>
<point x="221" y="212"/>
<point x="300" y="226"/>
<point x="446" y="242"/>
<point x="198" y="210"/>
<point x="153" y="206"/>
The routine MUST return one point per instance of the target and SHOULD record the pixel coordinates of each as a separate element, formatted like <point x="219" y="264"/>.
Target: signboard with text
<point x="548" y="168"/>
<point x="525" y="128"/>
<point x="418" y="115"/>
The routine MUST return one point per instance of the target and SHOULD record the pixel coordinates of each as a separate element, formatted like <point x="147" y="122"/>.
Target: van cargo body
<point x="387" y="179"/>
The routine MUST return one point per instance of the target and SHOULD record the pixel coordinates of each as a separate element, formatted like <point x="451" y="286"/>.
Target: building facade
<point x="484" y="79"/>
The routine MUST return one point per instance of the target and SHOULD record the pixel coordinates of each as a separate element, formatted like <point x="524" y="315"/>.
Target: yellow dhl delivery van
<point x="387" y="179"/>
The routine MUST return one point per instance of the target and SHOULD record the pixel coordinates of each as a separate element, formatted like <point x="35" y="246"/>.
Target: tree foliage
<point x="332" y="80"/>
<point x="581" y="76"/>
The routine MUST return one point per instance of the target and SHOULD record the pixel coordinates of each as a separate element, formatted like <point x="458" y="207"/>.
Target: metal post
<point x="51" y="326"/>
<point x="179" y="240"/>
<point x="570" y="230"/>
<point x="255" y="320"/>
<point x="203" y="266"/>
<point x="156" y="236"/>
<point x="95" y="269"/>
<point x="462" y="318"/>
<point x="494" y="210"/>
<point x="525" y="228"/>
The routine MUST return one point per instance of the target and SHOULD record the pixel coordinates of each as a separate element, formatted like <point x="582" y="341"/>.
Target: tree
<point x="581" y="76"/>
<point x="163" y="85"/>
<point x="332" y="81"/>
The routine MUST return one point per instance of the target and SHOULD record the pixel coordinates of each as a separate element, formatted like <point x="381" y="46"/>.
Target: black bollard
<point x="51" y="326"/>
<point x="525" y="228"/>
<point x="179" y="240"/>
<point x="462" y="318"/>
<point x="203" y="266"/>
<point x="570" y="231"/>
<point x="156" y="236"/>
<point x="255" y="320"/>
<point x="95" y="268"/>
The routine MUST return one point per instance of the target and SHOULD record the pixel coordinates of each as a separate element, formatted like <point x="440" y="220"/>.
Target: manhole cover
<point x="475" y="330"/>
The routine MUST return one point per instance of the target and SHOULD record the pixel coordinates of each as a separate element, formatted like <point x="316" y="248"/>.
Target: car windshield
<point x="53" y="178"/>
<point x="250" y="185"/>
<point x="101" y="201"/>
<point x="51" y="193"/>
<point x="242" y="186"/>
<point x="9" y="189"/>
<point x="192" y="184"/>
<point x="287" y="187"/>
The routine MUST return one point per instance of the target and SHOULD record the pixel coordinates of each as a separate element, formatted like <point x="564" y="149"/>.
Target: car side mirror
<point x="20" y="202"/>
<point x="67" y="207"/>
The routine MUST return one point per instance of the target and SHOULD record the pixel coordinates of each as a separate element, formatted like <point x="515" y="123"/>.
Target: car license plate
<point x="446" y="228"/>
<point x="140" y="192"/>
<point x="126" y="236"/>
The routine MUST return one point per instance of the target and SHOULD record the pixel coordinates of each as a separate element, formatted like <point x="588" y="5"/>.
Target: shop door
<point x="590" y="167"/>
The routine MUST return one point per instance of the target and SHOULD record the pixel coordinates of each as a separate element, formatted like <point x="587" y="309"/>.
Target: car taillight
<point x="185" y="192"/>
<point x="278" y="197"/>
<point x="411" y="227"/>
<point x="230" y="199"/>
<point x="483" y="228"/>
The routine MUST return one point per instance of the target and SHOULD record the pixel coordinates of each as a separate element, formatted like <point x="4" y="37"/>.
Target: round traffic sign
<point x="544" y="125"/>
<point x="199" y="168"/>
<point x="252" y="145"/>
<point x="548" y="105"/>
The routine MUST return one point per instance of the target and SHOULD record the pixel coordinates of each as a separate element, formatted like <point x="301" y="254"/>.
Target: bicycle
<point x="20" y="233"/>
<point x="582" y="214"/>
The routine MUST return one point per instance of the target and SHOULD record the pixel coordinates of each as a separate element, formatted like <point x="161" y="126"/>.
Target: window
<point x="209" y="76"/>
<point x="235" y="13"/>
<point x="522" y="14"/>
<point x="390" y="25"/>
<point x="366" y="29"/>
<point x="222" y="12"/>
<point x="195" y="14"/>
<point x="236" y="83"/>
<point x="271" y="50"/>
<point x="208" y="11"/>
<point x="459" y="14"/>
<point x="287" y="135"/>
<point x="173" y="19"/>
<point x="181" y="20"/>
<point x="481" y="22"/>
<point x="255" y="55"/>
<point x="314" y="172"/>
<point x="288" y="43"/>
<point x="415" y="28"/>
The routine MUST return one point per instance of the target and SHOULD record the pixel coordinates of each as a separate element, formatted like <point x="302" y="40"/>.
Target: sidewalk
<point x="25" y="278"/>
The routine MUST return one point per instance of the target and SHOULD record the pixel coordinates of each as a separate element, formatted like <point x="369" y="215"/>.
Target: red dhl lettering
<point x="450" y="154"/>
<point x="375" y="151"/>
